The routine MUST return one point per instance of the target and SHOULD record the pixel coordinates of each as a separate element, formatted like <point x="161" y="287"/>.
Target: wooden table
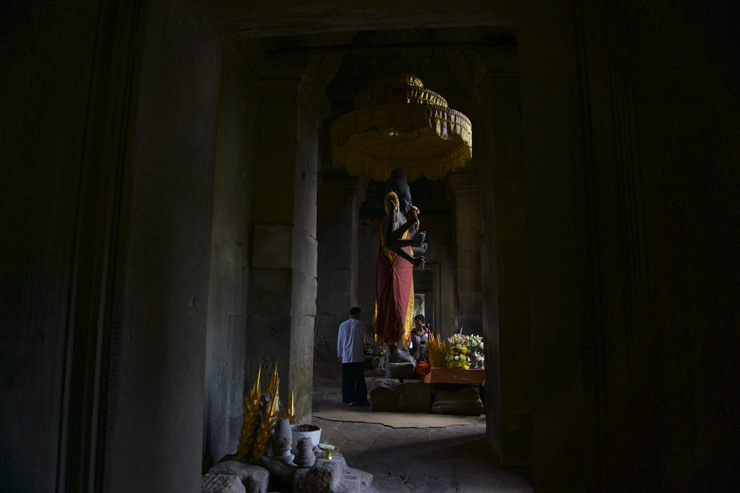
<point x="456" y="375"/>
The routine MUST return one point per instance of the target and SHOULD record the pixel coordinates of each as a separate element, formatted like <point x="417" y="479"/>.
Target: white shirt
<point x="349" y="341"/>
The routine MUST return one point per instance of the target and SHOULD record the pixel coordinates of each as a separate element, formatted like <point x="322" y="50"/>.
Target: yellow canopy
<point x="400" y="124"/>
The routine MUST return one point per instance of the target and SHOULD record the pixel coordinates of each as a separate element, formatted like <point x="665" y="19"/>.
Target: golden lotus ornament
<point x="401" y="124"/>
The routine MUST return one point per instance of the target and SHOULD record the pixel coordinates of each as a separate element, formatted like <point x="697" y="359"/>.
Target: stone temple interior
<point x="172" y="221"/>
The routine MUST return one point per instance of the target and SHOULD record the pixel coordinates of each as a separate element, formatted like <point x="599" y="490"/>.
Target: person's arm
<point x="366" y="334"/>
<point x="340" y="342"/>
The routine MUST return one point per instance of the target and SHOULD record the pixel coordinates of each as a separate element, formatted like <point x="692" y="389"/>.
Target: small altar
<point x="454" y="389"/>
<point x="441" y="391"/>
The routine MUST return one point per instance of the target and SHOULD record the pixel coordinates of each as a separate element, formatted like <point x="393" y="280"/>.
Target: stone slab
<point x="392" y="395"/>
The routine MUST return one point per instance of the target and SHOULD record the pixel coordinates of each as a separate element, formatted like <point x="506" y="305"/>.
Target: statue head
<point x="400" y="185"/>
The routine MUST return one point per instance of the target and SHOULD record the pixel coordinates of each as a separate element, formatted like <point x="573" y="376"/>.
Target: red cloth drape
<point x="393" y="290"/>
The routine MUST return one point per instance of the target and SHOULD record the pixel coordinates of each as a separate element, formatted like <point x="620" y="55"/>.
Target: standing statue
<point x="401" y="249"/>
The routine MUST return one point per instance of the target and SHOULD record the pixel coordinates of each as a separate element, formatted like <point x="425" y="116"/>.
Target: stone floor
<point x="410" y="452"/>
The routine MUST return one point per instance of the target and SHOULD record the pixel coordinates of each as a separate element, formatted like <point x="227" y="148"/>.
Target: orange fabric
<point x="393" y="296"/>
<point x="455" y="375"/>
<point x="394" y="288"/>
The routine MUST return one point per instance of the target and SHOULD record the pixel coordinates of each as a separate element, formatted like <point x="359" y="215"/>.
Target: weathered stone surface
<point x="323" y="476"/>
<point x="463" y="401"/>
<point x="365" y="477"/>
<point x="347" y="484"/>
<point x="392" y="395"/>
<point x="269" y="246"/>
<point x="254" y="478"/>
<point x="333" y="476"/>
<point x="399" y="355"/>
<point x="399" y="370"/>
<point x="221" y="483"/>
<point x="279" y="468"/>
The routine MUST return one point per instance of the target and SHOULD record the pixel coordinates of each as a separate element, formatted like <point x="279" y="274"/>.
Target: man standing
<point x="351" y="354"/>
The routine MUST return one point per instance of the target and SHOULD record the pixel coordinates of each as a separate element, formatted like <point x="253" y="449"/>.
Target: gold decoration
<point x="251" y="414"/>
<point x="290" y="415"/>
<point x="437" y="349"/>
<point x="401" y="124"/>
<point x="264" y="432"/>
<point x="272" y="387"/>
<point x="408" y="323"/>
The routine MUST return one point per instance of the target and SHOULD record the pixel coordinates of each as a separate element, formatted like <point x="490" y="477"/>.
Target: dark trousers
<point x="353" y="383"/>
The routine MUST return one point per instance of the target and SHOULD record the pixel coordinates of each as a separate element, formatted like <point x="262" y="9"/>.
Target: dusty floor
<point x="413" y="452"/>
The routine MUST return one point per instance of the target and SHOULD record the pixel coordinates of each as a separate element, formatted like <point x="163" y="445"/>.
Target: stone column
<point x="281" y="304"/>
<point x="466" y="193"/>
<point x="505" y="266"/>
<point x="226" y="344"/>
<point x="338" y="206"/>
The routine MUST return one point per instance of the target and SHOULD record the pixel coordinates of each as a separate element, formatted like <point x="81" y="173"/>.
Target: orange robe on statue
<point x="394" y="294"/>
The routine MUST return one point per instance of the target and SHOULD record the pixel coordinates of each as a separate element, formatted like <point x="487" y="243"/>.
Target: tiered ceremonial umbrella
<point x="401" y="124"/>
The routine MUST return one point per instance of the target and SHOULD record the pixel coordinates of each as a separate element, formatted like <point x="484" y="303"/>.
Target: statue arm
<point x="416" y="261"/>
<point x="393" y="241"/>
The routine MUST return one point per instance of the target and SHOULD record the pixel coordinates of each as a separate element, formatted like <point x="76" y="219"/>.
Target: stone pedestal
<point x="391" y="395"/>
<point x="464" y="402"/>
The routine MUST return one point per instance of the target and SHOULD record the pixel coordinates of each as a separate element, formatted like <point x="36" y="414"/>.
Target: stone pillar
<point x="466" y="192"/>
<point x="282" y="279"/>
<point x="338" y="206"/>
<point x="506" y="285"/>
<point x="226" y="343"/>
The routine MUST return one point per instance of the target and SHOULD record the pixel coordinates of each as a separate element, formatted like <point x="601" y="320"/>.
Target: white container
<point x="306" y="431"/>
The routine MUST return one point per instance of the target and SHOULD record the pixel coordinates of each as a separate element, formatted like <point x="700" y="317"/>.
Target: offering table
<point x="456" y="391"/>
<point x="457" y="376"/>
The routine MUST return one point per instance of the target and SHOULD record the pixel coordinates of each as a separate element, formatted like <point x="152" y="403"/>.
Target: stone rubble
<point x="221" y="483"/>
<point x="330" y="476"/>
<point x="254" y="478"/>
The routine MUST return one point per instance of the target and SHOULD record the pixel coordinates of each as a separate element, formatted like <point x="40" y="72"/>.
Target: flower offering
<point x="457" y="357"/>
